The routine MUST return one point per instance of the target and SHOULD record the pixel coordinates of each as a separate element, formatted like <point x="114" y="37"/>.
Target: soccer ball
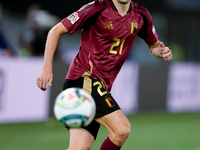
<point x="75" y="108"/>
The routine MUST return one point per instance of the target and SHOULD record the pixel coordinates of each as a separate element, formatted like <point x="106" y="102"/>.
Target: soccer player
<point x="109" y="28"/>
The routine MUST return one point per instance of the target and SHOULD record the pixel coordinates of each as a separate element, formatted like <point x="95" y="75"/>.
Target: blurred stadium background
<point x="161" y="99"/>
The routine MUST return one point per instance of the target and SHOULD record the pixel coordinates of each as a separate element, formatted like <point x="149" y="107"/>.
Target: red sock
<point x="109" y="145"/>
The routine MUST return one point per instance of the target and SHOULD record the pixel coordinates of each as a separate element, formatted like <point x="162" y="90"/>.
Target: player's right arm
<point x="50" y="47"/>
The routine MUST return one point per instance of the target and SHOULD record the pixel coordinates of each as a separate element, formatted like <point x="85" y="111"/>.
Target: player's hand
<point x="165" y="52"/>
<point x="45" y="77"/>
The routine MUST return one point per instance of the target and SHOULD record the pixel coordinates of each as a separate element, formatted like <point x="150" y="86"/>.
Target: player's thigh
<point x="84" y="83"/>
<point x="108" y="112"/>
<point x="115" y="122"/>
<point x="80" y="139"/>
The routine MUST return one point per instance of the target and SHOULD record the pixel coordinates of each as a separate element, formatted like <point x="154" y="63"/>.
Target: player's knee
<point x="125" y="130"/>
<point x="123" y="133"/>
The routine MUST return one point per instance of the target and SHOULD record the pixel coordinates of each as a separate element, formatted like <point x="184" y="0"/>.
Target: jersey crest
<point x="133" y="27"/>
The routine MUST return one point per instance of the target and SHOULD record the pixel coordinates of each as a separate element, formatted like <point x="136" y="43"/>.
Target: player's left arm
<point x="159" y="50"/>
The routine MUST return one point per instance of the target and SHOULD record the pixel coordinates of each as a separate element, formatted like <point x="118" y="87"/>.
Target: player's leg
<point x="80" y="139"/>
<point x="110" y="115"/>
<point x="116" y="123"/>
<point x="119" y="128"/>
<point x="83" y="138"/>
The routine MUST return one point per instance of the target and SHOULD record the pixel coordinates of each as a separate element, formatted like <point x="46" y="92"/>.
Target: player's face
<point x="123" y="1"/>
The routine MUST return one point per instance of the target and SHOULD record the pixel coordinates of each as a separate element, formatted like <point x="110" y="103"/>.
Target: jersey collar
<point x="115" y="9"/>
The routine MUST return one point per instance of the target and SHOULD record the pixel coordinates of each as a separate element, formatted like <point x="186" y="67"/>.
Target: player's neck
<point x="121" y="7"/>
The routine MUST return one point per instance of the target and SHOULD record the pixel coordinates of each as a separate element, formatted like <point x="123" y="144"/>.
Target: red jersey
<point x="107" y="38"/>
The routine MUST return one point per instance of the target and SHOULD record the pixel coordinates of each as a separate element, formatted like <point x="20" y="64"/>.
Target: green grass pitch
<point x="150" y="131"/>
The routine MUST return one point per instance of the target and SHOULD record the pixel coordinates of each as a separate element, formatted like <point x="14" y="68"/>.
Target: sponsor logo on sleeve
<point x="73" y="17"/>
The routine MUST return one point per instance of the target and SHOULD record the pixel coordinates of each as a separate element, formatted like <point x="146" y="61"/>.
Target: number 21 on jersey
<point x="117" y="43"/>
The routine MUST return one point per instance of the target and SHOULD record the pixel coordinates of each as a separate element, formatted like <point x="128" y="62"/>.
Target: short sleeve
<point x="148" y="32"/>
<point x="76" y="20"/>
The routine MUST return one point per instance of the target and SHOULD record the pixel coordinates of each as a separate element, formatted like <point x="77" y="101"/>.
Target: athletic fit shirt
<point x="107" y="38"/>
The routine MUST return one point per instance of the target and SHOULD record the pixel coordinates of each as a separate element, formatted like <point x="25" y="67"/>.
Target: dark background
<point x="65" y="7"/>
